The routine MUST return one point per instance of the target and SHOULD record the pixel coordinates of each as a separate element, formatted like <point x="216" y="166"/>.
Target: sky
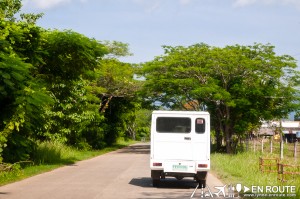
<point x="147" y="25"/>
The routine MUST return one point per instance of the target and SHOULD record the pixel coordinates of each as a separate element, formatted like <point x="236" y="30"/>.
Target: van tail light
<point x="202" y="165"/>
<point x="157" y="164"/>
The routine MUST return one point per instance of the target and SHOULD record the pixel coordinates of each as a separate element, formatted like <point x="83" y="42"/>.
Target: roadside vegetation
<point x="49" y="156"/>
<point x="244" y="168"/>
<point x="64" y="89"/>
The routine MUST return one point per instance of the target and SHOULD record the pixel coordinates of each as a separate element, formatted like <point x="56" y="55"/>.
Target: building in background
<point x="290" y="130"/>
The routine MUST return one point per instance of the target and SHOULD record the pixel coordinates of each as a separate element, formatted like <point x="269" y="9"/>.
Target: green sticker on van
<point x="180" y="168"/>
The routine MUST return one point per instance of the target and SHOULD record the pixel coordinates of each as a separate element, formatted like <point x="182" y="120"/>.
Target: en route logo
<point x="237" y="191"/>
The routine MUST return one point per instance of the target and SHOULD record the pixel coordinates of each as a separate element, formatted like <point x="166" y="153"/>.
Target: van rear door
<point x="180" y="136"/>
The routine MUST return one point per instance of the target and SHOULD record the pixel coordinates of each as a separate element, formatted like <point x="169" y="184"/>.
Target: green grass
<point x="52" y="155"/>
<point x="244" y="168"/>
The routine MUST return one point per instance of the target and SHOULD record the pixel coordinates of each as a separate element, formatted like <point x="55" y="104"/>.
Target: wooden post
<point x="262" y="145"/>
<point x="261" y="164"/>
<point x="280" y="172"/>
<point x="281" y="149"/>
<point x="295" y="150"/>
<point x="254" y="145"/>
<point x="271" y="145"/>
<point x="281" y="141"/>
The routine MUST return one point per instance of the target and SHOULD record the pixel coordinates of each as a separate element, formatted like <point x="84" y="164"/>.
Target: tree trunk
<point x="218" y="139"/>
<point x="228" y="130"/>
<point x="228" y="137"/>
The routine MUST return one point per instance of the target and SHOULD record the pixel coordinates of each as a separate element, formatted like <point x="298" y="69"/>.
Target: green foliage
<point x="9" y="172"/>
<point x="142" y="124"/>
<point x="126" y="119"/>
<point x="70" y="58"/>
<point x="19" y="148"/>
<point x="116" y="49"/>
<point x="20" y="99"/>
<point x="31" y="18"/>
<point x="53" y="85"/>
<point x="74" y="120"/>
<point x="116" y="79"/>
<point x="22" y="94"/>
<point x="52" y="152"/>
<point x="117" y="90"/>
<point x="239" y="85"/>
<point x="14" y="74"/>
<point x="68" y="55"/>
<point x="8" y="8"/>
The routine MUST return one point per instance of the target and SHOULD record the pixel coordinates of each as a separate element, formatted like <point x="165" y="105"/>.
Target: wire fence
<point x="282" y="149"/>
<point x="285" y="172"/>
<point x="279" y="157"/>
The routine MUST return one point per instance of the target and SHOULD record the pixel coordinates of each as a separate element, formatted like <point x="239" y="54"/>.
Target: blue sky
<point x="146" y="25"/>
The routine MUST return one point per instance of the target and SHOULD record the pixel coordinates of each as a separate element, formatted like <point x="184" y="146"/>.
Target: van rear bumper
<point x="160" y="174"/>
<point x="180" y="166"/>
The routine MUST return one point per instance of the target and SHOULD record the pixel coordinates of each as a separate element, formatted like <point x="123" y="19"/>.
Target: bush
<point x="49" y="152"/>
<point x="19" y="148"/>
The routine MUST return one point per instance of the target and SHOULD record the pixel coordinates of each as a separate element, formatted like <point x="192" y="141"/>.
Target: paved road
<point x="121" y="174"/>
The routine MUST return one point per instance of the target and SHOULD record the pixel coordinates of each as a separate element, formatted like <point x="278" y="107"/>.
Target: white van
<point x="180" y="145"/>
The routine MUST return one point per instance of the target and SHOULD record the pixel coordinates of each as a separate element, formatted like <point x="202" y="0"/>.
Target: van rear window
<point x="173" y="125"/>
<point x="200" y="125"/>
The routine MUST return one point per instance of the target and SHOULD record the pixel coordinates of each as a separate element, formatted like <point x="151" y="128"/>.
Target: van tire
<point x="155" y="175"/>
<point x="155" y="182"/>
<point x="202" y="183"/>
<point x="201" y="178"/>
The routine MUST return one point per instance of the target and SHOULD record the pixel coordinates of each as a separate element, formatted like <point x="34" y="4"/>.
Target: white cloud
<point x="152" y="5"/>
<point x="184" y="2"/>
<point x="292" y="2"/>
<point x="149" y="6"/>
<point x="48" y="4"/>
<point x="243" y="3"/>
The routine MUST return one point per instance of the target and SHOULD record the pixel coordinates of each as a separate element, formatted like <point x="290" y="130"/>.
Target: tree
<point x="116" y="49"/>
<point x="68" y="62"/>
<point x="68" y="56"/>
<point x="53" y="84"/>
<point x="8" y="8"/>
<point x="22" y="95"/>
<point x="239" y="85"/>
<point x="115" y="86"/>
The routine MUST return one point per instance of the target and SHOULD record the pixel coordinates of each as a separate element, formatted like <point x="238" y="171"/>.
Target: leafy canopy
<point x="239" y="85"/>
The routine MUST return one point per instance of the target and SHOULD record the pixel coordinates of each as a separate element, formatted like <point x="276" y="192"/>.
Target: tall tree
<point x="239" y="85"/>
<point x="116" y="88"/>
<point x="69" y="59"/>
<point x="22" y="95"/>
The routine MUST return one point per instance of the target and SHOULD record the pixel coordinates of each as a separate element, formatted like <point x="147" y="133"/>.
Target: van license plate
<point x="180" y="168"/>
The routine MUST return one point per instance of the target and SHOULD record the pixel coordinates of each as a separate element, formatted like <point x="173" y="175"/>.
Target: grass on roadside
<point x="52" y="155"/>
<point x="244" y="168"/>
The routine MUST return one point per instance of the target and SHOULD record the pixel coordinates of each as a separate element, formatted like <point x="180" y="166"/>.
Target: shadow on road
<point x="141" y="182"/>
<point x="172" y="183"/>
<point x="136" y="149"/>
<point x="168" y="188"/>
<point x="168" y="183"/>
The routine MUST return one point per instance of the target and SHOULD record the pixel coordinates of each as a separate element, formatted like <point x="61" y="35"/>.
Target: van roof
<point x="182" y="112"/>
